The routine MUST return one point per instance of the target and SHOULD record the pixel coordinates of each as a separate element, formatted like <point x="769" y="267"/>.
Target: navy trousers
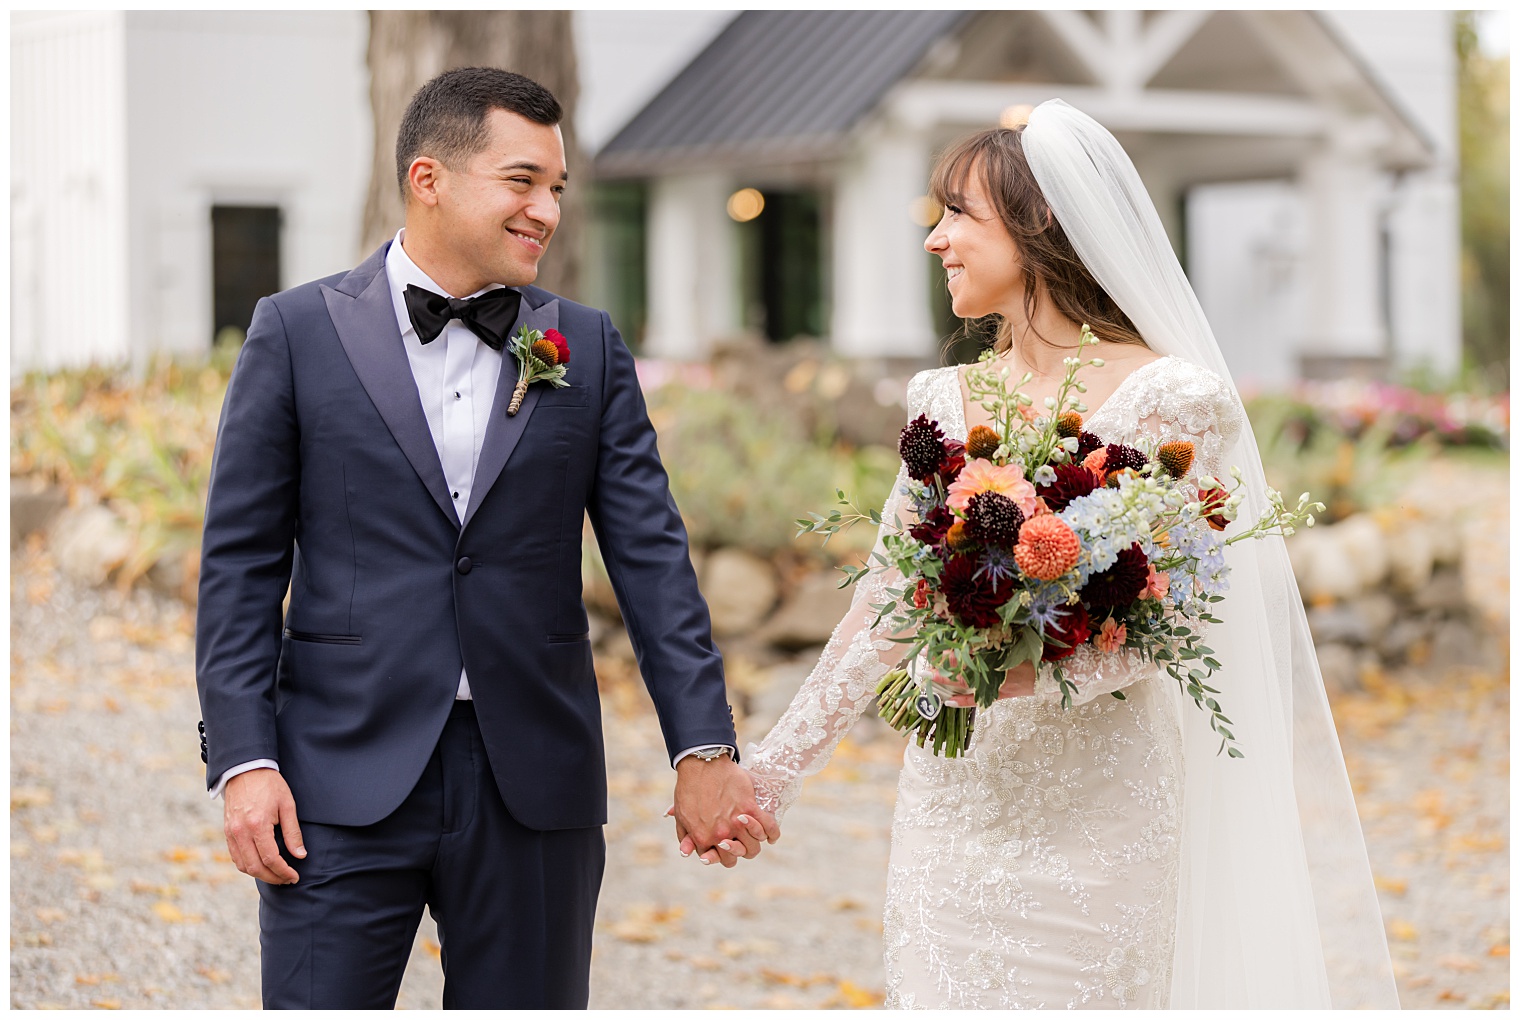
<point x="514" y="906"/>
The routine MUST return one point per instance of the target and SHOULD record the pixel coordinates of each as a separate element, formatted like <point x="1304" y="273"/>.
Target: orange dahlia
<point x="1047" y="547"/>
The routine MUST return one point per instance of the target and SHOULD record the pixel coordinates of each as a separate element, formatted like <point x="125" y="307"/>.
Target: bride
<point x="1104" y="855"/>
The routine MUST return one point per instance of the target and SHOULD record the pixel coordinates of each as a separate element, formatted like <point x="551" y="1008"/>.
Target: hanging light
<point x="745" y="204"/>
<point x="1015" y="116"/>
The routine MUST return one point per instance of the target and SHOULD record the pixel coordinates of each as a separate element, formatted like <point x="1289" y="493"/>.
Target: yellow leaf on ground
<point x="1396" y="886"/>
<point x="30" y="796"/>
<point x="1402" y="930"/>
<point x="50" y="914"/>
<point x="859" y="998"/>
<point x="637" y="931"/>
<point x="212" y="974"/>
<point x="1456" y="962"/>
<point x="432" y="948"/>
<point x="1499" y="950"/>
<point x="106" y="1003"/>
<point x="167" y="911"/>
<point x="94" y="979"/>
<point x="181" y="854"/>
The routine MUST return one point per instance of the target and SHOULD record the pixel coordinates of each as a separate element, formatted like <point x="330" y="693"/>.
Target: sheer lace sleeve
<point x="1166" y="401"/>
<point x="843" y="683"/>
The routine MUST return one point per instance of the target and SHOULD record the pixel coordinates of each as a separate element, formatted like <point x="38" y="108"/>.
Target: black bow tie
<point x="489" y="316"/>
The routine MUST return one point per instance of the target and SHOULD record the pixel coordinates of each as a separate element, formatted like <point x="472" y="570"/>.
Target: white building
<point x="1309" y="180"/>
<point x="170" y="167"/>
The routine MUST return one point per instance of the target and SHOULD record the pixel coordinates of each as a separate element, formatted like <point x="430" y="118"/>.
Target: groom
<point x="421" y="727"/>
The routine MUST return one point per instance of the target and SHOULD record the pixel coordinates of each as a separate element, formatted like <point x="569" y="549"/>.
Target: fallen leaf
<point x="95" y="979"/>
<point x="1456" y="962"/>
<point x="432" y="948"/>
<point x="859" y="998"/>
<point x="637" y="931"/>
<point x="843" y="903"/>
<point x="1447" y="995"/>
<point x="181" y="854"/>
<point x="1403" y="931"/>
<point x="106" y="1003"/>
<point x="167" y="911"/>
<point x="1396" y="886"/>
<point x="30" y="796"/>
<point x="211" y="974"/>
<point x="50" y="914"/>
<point x="704" y="963"/>
<point x="1500" y="950"/>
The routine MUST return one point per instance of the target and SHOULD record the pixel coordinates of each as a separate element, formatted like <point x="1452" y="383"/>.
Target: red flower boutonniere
<point x="541" y="356"/>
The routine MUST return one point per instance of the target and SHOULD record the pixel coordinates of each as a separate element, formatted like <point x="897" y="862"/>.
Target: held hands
<point x="255" y="802"/>
<point x="715" y="811"/>
<point x="1017" y="683"/>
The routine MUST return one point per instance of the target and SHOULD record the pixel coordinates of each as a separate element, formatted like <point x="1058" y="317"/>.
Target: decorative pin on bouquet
<point x="541" y="356"/>
<point x="1034" y="538"/>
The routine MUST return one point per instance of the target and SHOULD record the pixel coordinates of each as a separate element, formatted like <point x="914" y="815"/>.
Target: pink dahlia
<point x="1047" y="547"/>
<point x="979" y="476"/>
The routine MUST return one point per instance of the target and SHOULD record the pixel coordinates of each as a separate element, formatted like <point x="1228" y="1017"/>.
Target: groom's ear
<point x="422" y="180"/>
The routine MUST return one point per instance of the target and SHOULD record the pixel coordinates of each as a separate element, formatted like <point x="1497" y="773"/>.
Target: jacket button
<point x="463" y="566"/>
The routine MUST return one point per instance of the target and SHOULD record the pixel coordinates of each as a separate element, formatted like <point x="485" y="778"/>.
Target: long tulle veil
<point x="1277" y="906"/>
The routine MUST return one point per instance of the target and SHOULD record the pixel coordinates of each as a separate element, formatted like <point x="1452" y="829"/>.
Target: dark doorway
<point x="782" y="262"/>
<point x="245" y="262"/>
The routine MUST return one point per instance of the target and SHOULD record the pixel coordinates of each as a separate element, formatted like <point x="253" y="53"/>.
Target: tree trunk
<point x="407" y="48"/>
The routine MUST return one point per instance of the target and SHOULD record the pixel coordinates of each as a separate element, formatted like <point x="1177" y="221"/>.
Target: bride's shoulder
<point x="1192" y="394"/>
<point x="925" y="385"/>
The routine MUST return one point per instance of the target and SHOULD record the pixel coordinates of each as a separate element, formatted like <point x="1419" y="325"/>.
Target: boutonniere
<point x="541" y="356"/>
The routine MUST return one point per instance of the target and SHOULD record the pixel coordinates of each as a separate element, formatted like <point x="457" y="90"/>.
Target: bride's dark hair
<point x="997" y="158"/>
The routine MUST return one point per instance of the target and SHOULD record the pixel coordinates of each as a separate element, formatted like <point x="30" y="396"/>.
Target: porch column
<point x="881" y="274"/>
<point x="692" y="266"/>
<point x="1345" y="324"/>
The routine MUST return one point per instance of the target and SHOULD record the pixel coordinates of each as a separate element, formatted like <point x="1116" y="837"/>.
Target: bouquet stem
<point x="948" y="733"/>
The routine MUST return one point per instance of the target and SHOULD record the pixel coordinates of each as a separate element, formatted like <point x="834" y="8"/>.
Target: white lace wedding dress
<point x="1041" y="870"/>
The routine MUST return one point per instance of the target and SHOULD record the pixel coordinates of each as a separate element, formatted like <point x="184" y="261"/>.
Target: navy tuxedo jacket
<point x="326" y="479"/>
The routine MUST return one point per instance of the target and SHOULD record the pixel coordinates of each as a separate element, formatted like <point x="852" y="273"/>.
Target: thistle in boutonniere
<point x="541" y="356"/>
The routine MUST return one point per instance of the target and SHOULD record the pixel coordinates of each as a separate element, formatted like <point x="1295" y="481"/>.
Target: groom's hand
<point x="709" y="795"/>
<point x="255" y="803"/>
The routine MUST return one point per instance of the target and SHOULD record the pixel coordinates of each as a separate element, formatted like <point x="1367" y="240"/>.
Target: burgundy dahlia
<point x="955" y="459"/>
<point x="974" y="600"/>
<point x="994" y="519"/>
<point x="1072" y="628"/>
<point x="931" y="530"/>
<point x="1119" y="585"/>
<point x="922" y="446"/>
<point x="1072" y="480"/>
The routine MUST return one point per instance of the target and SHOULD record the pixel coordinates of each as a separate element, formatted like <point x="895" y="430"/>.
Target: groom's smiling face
<point x="492" y="216"/>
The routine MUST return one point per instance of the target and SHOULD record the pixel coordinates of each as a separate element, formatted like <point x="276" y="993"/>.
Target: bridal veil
<point x="1276" y="905"/>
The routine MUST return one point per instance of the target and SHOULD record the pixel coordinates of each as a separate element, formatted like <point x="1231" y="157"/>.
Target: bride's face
<point x="982" y="266"/>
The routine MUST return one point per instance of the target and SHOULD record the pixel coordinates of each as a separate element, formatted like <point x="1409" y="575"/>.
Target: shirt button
<point x="456" y="395"/>
<point x="463" y="566"/>
<point x="456" y="495"/>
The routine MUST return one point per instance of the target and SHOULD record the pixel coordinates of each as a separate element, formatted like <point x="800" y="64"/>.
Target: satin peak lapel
<point x="366" y="324"/>
<point x="504" y="431"/>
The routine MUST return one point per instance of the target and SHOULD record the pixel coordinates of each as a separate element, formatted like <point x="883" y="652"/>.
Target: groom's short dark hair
<point x="446" y="119"/>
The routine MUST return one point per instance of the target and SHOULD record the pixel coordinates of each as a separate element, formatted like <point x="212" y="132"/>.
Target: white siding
<point x="68" y="190"/>
<point x="265" y="108"/>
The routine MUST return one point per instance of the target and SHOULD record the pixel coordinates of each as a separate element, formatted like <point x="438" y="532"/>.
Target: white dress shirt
<point x="456" y="378"/>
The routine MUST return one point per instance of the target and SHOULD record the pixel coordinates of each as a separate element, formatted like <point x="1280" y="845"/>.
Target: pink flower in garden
<point x="1047" y="548"/>
<point x="1110" y="638"/>
<point x="979" y="476"/>
<point x="1157" y="584"/>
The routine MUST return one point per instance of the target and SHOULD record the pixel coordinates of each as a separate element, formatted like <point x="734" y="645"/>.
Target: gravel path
<point x="122" y="894"/>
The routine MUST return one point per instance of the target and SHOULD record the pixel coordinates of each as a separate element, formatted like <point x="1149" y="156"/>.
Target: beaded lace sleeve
<point x="843" y="683"/>
<point x="1165" y="401"/>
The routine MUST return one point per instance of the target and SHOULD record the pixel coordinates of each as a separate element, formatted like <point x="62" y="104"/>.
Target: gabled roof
<point x="776" y="83"/>
<point x="776" y="87"/>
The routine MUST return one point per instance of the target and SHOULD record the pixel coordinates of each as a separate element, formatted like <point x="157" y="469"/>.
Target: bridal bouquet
<point x="1034" y="538"/>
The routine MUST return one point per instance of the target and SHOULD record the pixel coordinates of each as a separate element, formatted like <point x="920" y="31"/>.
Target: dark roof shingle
<point x="775" y="85"/>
